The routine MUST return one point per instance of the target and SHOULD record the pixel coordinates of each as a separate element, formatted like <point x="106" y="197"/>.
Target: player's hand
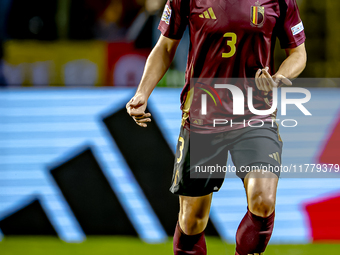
<point x="265" y="82"/>
<point x="136" y="109"/>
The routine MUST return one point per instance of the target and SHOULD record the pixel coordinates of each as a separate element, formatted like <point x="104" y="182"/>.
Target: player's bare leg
<point x="256" y="227"/>
<point x="261" y="193"/>
<point x="192" y="220"/>
<point x="194" y="213"/>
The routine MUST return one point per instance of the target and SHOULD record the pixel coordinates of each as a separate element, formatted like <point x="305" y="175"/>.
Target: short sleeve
<point x="174" y="19"/>
<point x="290" y="27"/>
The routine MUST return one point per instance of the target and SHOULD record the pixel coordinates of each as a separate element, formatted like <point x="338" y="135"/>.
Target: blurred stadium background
<point x="74" y="177"/>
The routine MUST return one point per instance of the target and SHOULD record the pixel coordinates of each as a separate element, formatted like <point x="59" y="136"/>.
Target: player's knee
<point x="193" y="224"/>
<point x="262" y="204"/>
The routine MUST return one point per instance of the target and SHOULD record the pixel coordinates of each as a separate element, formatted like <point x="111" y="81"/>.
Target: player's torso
<point x="233" y="36"/>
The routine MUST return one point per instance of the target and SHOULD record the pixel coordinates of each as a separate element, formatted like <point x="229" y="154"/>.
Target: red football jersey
<point x="229" y="39"/>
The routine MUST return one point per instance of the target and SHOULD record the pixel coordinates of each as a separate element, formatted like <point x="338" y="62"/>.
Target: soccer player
<point x="228" y="39"/>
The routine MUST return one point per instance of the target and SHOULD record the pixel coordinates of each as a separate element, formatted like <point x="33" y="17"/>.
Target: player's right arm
<point x="156" y="66"/>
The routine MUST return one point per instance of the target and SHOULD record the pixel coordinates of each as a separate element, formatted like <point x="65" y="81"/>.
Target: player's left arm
<point x="290" y="68"/>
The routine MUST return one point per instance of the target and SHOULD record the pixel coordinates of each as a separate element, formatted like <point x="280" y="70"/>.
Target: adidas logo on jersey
<point x="209" y="14"/>
<point x="275" y="156"/>
<point x="198" y="122"/>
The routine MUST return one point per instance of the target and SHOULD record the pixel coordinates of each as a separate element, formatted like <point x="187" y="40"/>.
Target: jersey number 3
<point x="232" y="44"/>
<point x="181" y="140"/>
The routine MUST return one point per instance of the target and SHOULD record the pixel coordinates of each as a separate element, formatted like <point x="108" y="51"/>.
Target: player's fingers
<point x="140" y="122"/>
<point x="146" y="115"/>
<point x="266" y="85"/>
<point x="257" y="75"/>
<point x="127" y="106"/>
<point x="138" y="111"/>
<point x="265" y="73"/>
<point x="262" y="82"/>
<point x="135" y="112"/>
<point x="128" y="109"/>
<point x="258" y="80"/>
<point x="269" y="78"/>
<point x="141" y="118"/>
<point x="286" y="81"/>
<point x="270" y="82"/>
<point x="136" y="102"/>
<point x="144" y="120"/>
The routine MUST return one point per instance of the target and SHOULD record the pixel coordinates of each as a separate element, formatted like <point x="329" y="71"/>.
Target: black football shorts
<point x="201" y="159"/>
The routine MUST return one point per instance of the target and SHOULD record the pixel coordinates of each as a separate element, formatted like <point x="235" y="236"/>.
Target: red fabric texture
<point x="188" y="244"/>
<point x="253" y="234"/>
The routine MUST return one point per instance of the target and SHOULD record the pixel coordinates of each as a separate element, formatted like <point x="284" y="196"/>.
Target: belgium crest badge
<point x="257" y="15"/>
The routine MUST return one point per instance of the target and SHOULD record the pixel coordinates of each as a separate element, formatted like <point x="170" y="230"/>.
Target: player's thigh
<point x="197" y="207"/>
